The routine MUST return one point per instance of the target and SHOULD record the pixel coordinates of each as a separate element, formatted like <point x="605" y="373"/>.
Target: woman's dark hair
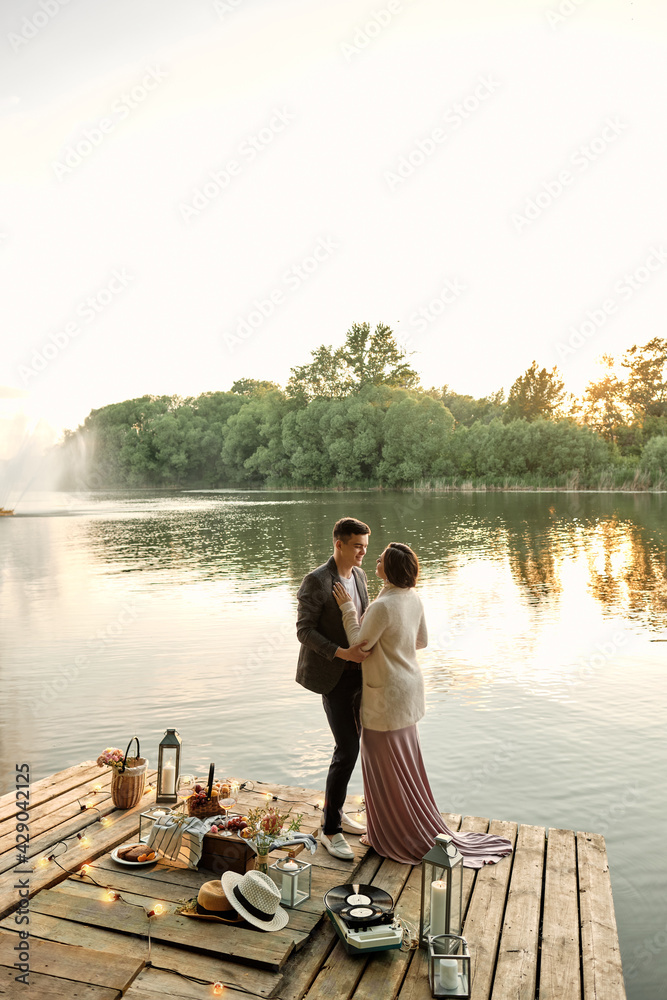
<point x="401" y="566"/>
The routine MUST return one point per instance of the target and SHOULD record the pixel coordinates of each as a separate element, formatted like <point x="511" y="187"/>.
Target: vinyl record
<point x="355" y="896"/>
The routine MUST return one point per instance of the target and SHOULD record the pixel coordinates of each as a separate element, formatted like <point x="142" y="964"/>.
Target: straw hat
<point x="212" y="904"/>
<point x="257" y="898"/>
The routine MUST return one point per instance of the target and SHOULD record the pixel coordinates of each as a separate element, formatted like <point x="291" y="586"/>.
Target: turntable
<point x="363" y="916"/>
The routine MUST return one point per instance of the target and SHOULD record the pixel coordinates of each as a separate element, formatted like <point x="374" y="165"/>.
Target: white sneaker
<point x="337" y="846"/>
<point x="351" y="826"/>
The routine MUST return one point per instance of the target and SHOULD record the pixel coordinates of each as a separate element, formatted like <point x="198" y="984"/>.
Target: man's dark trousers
<point x="320" y="631"/>
<point x="342" y="710"/>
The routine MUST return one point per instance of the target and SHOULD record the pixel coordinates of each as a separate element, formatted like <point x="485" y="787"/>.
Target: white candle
<point x="290" y="866"/>
<point x="438" y="907"/>
<point x="159" y="812"/>
<point x="168" y="778"/>
<point x="449" y="973"/>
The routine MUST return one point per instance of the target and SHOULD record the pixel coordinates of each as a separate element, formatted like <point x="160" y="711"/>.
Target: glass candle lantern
<point x="448" y="966"/>
<point x="442" y="890"/>
<point x="147" y="819"/>
<point x="168" y="769"/>
<point x="293" y="878"/>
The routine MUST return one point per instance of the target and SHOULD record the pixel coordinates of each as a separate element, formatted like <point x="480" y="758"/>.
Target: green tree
<point x="603" y="403"/>
<point x="417" y="437"/>
<point x="253" y="387"/>
<point x="646" y="384"/>
<point x="466" y="409"/>
<point x="536" y="393"/>
<point x="366" y="358"/>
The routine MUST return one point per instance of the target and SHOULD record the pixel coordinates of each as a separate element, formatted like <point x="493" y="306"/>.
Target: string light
<point x="217" y="989"/>
<point x="112" y="896"/>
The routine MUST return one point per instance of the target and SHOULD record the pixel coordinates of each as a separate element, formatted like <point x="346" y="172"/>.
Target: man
<point x="328" y="666"/>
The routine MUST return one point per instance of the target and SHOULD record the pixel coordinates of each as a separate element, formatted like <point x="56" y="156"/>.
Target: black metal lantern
<point x="168" y="769"/>
<point x="442" y="890"/>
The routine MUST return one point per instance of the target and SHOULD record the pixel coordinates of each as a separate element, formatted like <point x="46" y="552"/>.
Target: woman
<point x="402" y="816"/>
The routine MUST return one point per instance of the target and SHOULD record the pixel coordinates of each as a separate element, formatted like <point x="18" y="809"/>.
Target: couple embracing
<point x="361" y="657"/>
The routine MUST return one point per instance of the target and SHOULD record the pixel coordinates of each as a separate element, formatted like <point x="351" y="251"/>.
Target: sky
<point x="198" y="192"/>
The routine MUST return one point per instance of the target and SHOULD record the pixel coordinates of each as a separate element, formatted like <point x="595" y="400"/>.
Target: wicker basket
<point x="208" y="807"/>
<point x="128" y="784"/>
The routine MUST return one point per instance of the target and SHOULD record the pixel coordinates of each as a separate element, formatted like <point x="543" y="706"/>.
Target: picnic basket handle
<point x="128" y="750"/>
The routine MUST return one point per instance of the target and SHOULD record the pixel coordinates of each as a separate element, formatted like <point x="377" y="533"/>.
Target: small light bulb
<point x="97" y="788"/>
<point x="111" y="896"/>
<point x="217" y="989"/>
<point x="320" y="803"/>
<point x="105" y="821"/>
<point x="159" y="909"/>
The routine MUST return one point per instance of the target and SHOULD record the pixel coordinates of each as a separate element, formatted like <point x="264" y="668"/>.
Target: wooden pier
<point x="539" y="923"/>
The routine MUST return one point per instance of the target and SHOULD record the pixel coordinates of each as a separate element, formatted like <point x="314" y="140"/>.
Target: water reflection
<point x="263" y="541"/>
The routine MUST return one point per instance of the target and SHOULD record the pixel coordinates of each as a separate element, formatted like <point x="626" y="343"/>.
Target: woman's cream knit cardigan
<point x="393" y="687"/>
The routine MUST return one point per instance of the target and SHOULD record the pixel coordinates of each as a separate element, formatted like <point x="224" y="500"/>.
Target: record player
<point x="363" y="916"/>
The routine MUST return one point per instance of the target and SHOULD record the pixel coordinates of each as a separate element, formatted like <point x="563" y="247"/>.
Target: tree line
<point x="356" y="415"/>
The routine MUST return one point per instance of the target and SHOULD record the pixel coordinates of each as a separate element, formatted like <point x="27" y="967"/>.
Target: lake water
<point x="129" y="612"/>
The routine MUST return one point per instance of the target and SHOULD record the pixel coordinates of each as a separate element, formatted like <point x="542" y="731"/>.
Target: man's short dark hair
<point x="347" y="526"/>
<point x="401" y="566"/>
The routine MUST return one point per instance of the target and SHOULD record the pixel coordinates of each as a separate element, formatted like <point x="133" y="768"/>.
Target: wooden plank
<point x="48" y="986"/>
<point x="70" y="962"/>
<point x="268" y="951"/>
<point x="485" y="913"/>
<point x="300" y="922"/>
<point x="560" y="964"/>
<point x="338" y="977"/>
<point x="383" y="976"/>
<point x="600" y="953"/>
<point x="189" y="962"/>
<point x="415" y="984"/>
<point x="123" y="826"/>
<point x="189" y="880"/>
<point x="59" y="825"/>
<point x="516" y="969"/>
<point x="40" y="812"/>
<point x="154" y="983"/>
<point x="301" y="969"/>
<point x="47" y="788"/>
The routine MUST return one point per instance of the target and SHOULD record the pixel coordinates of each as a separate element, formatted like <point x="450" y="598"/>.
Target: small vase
<point x="262" y="863"/>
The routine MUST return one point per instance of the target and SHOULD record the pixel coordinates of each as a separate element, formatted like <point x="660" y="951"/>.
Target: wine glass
<point x="227" y="804"/>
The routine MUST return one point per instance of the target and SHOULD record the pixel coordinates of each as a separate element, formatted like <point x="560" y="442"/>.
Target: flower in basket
<point x="111" y="757"/>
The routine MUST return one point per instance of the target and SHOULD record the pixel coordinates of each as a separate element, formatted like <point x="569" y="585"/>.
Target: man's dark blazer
<point x="319" y="627"/>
